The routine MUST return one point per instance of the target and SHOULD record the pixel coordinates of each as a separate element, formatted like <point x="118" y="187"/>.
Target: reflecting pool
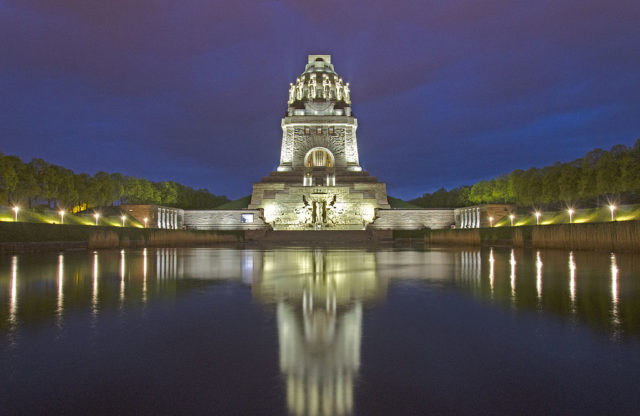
<point x="320" y="331"/>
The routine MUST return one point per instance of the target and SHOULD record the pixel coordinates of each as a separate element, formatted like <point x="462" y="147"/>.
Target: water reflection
<point x="615" y="315"/>
<point x="572" y="282"/>
<point x="319" y="315"/>
<point x="492" y="276"/>
<point x="319" y="296"/>
<point x="94" y="291"/>
<point x="60" y="302"/>
<point x="512" y="275"/>
<point x="13" y="303"/>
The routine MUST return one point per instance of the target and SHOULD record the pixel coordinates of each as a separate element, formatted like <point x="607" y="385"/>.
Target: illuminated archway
<point x="319" y="157"/>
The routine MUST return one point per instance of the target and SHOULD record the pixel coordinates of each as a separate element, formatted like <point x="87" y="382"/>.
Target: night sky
<point x="446" y="92"/>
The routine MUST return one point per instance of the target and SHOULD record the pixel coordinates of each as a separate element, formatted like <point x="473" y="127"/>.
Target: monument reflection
<point x="319" y="300"/>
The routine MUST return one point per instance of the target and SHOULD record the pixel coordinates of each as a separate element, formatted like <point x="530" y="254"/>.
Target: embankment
<point x="608" y="236"/>
<point x="16" y="237"/>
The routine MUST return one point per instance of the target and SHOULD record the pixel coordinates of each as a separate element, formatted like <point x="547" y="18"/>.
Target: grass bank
<point x="32" y="236"/>
<point x="609" y="236"/>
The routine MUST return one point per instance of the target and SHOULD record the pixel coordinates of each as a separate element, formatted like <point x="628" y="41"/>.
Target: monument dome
<point x="319" y="90"/>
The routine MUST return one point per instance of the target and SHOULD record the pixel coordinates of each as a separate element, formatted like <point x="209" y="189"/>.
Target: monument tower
<point x="319" y="183"/>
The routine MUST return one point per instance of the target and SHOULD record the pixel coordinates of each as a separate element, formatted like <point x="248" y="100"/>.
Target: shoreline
<point x="36" y="237"/>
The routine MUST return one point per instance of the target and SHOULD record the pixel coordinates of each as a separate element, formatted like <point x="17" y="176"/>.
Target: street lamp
<point x="97" y="216"/>
<point x="490" y="221"/>
<point x="61" y="216"/>
<point x="511" y="217"/>
<point x="124" y="217"/>
<point x="15" y="210"/>
<point x="612" y="208"/>
<point x="145" y="222"/>
<point x="538" y="217"/>
<point x="570" y="211"/>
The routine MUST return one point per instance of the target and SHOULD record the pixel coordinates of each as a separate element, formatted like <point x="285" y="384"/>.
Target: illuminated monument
<point x="319" y="183"/>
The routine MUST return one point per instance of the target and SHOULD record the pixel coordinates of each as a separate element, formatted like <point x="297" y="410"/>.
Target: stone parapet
<point x="246" y="219"/>
<point x="413" y="219"/>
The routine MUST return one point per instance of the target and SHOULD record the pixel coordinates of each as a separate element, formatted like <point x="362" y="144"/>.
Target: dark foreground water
<point x="320" y="331"/>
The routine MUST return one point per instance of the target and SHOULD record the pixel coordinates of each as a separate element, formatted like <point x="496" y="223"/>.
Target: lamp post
<point x="511" y="217"/>
<point x="490" y="221"/>
<point x="15" y="211"/>
<point x="61" y="216"/>
<point x="570" y="211"/>
<point x="97" y="216"/>
<point x="538" y="217"/>
<point x="124" y="217"/>
<point x="145" y="222"/>
<point x="612" y="208"/>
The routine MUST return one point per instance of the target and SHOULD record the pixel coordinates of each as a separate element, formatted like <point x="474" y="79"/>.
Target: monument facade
<point x="319" y="183"/>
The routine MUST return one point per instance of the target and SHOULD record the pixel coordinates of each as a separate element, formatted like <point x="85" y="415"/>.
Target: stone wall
<point x="481" y="216"/>
<point x="413" y="219"/>
<point x="223" y="220"/>
<point x="155" y="216"/>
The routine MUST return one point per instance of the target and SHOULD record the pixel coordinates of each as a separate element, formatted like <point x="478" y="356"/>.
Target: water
<point x="320" y="331"/>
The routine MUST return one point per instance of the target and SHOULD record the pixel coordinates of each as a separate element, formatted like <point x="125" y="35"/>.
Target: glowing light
<point x="539" y="275"/>
<point x="572" y="280"/>
<point x="512" y="276"/>
<point x="61" y="216"/>
<point x="511" y="217"/>
<point x="15" y="211"/>
<point x="144" y="275"/>
<point x="612" y="208"/>
<point x="96" y="215"/>
<point x="491" y="270"/>
<point x="122" y="270"/>
<point x="538" y="214"/>
<point x="146" y="220"/>
<point x="490" y="221"/>
<point x="570" y="211"/>
<point x="60" y="303"/>
<point x="124" y="218"/>
<point x="94" y="292"/>
<point x="13" y="300"/>
<point x="614" y="292"/>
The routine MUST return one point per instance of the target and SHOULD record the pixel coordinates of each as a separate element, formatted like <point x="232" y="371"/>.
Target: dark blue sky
<point x="446" y="92"/>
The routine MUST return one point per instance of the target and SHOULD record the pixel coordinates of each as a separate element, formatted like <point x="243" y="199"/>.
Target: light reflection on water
<point x="319" y="295"/>
<point x="345" y="272"/>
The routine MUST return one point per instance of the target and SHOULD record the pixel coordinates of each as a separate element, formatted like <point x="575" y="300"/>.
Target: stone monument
<point x="319" y="183"/>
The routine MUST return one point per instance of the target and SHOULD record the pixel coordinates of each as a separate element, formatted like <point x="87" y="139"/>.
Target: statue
<point x="347" y="94"/>
<point x="325" y="86"/>
<point x="339" y="89"/>
<point x="292" y="93"/>
<point x="299" y="90"/>
<point x="312" y="86"/>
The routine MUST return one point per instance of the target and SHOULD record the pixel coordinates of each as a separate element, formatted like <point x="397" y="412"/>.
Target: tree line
<point x="38" y="182"/>
<point x="599" y="176"/>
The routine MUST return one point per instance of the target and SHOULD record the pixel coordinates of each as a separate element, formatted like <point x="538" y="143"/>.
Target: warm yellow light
<point x="124" y="218"/>
<point x="61" y="216"/>
<point x="612" y="208"/>
<point x="15" y="210"/>
<point x="490" y="221"/>
<point x="538" y="214"/>
<point x="570" y="211"/>
<point x="511" y="217"/>
<point x="145" y="222"/>
<point x="97" y="216"/>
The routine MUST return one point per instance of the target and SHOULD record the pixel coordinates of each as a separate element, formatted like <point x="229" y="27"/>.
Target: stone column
<point x="159" y="218"/>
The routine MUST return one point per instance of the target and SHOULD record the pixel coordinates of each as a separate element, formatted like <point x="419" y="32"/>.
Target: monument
<point x="319" y="183"/>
